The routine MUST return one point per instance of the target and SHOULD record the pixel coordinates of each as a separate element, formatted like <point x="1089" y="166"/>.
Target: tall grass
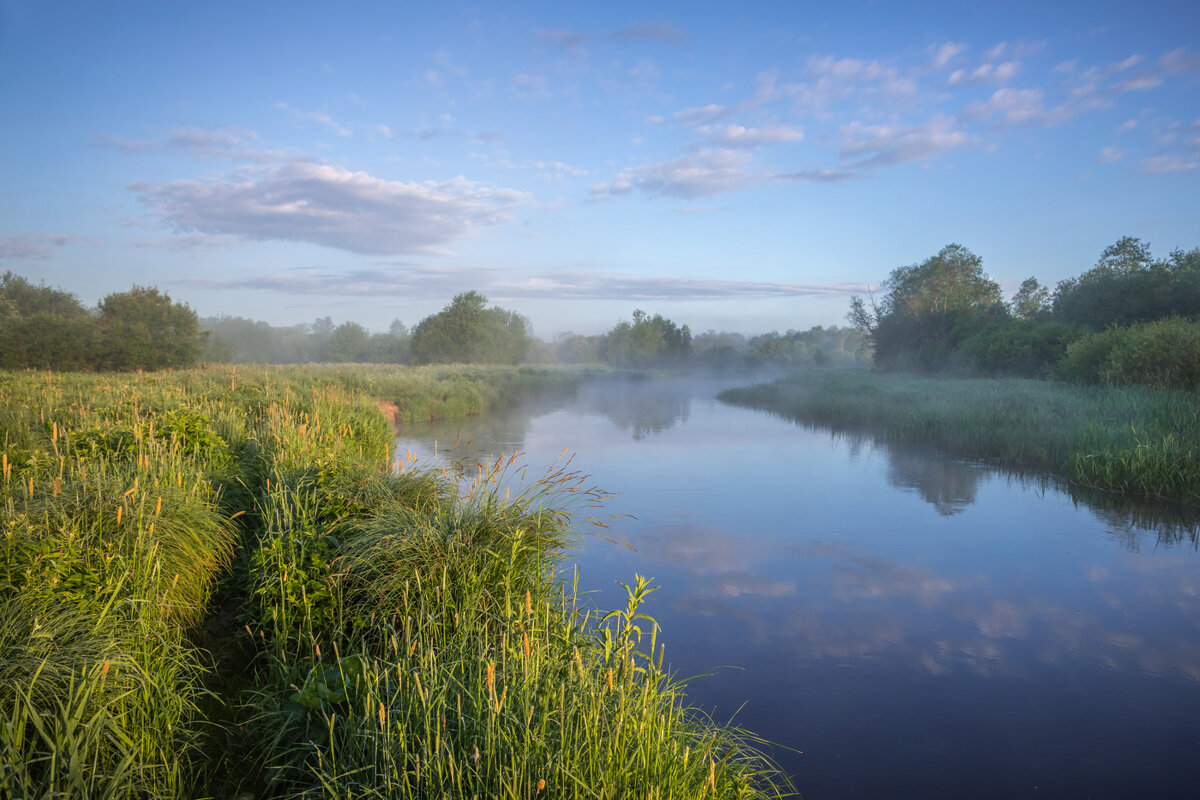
<point x="1132" y="440"/>
<point x="369" y="633"/>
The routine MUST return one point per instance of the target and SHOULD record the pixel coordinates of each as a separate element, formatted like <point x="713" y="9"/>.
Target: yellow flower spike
<point x="541" y="784"/>
<point x="382" y="715"/>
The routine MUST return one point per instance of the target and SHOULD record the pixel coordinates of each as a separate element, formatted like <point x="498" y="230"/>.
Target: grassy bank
<point x="213" y="583"/>
<point x="1131" y="440"/>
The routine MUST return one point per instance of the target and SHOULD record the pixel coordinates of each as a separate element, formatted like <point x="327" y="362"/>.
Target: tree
<point x="143" y="329"/>
<point x="1126" y="287"/>
<point x="1031" y="300"/>
<point x="647" y="342"/>
<point x="467" y="332"/>
<point x="43" y="327"/>
<point x="348" y="342"/>
<point x="929" y="308"/>
<point x="1125" y="256"/>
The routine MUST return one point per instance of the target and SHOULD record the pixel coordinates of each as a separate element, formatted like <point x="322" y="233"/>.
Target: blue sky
<point x="733" y="166"/>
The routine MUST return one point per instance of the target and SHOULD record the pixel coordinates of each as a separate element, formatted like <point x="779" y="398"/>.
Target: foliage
<point x="1031" y="301"/>
<point x="1126" y="286"/>
<point x="43" y="327"/>
<point x="143" y="330"/>
<point x="928" y="310"/>
<point x="467" y="332"/>
<point x="1163" y="354"/>
<point x="943" y="315"/>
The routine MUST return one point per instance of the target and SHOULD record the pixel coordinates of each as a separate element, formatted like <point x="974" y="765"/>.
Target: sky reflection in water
<point x="914" y="624"/>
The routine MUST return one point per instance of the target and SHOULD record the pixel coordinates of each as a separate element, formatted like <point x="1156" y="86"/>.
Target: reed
<point x="368" y="633"/>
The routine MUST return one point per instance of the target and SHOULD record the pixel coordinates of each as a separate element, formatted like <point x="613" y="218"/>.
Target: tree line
<point x="140" y="329"/>
<point x="1130" y="318"/>
<point x="143" y="329"/>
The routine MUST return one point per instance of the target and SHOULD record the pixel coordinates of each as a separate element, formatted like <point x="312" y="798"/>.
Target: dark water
<point x="916" y="626"/>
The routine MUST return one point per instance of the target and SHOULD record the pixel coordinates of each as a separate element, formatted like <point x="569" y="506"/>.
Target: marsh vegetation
<point x="217" y="582"/>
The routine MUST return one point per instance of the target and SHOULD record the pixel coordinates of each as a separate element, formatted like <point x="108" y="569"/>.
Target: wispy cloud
<point x="31" y="246"/>
<point x="985" y="73"/>
<point x="431" y="283"/>
<point x="319" y="117"/>
<point x="820" y="175"/>
<point x="884" y="145"/>
<point x="741" y="136"/>
<point x="222" y="142"/>
<point x="1013" y="106"/>
<point x="663" y="32"/>
<point x="1110" y="155"/>
<point x="946" y="52"/>
<point x="1160" y="164"/>
<point x="328" y="205"/>
<point x="701" y="174"/>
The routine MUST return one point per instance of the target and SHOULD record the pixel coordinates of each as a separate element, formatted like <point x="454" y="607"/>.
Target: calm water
<point x="916" y="626"/>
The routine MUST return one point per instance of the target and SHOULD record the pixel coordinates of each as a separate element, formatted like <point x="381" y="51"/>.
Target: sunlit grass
<point x="371" y="633"/>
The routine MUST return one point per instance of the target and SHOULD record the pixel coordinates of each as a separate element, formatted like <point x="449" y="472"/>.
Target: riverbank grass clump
<point x="216" y="583"/>
<point x="1133" y="440"/>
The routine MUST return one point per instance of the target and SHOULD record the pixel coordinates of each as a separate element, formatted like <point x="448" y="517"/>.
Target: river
<point x="899" y="623"/>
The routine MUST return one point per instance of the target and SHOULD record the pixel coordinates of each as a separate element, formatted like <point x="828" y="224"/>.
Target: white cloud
<point x="331" y="206"/>
<point x="1110" y="155"/>
<point x="1127" y="125"/>
<point x="29" y="246"/>
<point x="883" y="145"/>
<point x="740" y="136"/>
<point x="701" y="174"/>
<point x="383" y="131"/>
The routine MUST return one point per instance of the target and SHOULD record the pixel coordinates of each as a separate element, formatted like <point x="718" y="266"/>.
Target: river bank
<point x="214" y="582"/>
<point x="1131" y="440"/>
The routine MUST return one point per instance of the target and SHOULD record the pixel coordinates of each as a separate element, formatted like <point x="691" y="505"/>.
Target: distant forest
<point x="1130" y="318"/>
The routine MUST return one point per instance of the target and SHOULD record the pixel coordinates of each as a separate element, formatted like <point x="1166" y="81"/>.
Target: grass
<point x="1133" y="441"/>
<point x="215" y="583"/>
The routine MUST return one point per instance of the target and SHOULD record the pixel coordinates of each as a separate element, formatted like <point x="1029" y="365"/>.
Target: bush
<point x="1163" y="354"/>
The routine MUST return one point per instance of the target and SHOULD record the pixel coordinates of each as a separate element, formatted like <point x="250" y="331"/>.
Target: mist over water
<point x="915" y="625"/>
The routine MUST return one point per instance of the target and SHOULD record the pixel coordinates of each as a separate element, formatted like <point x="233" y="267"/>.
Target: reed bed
<point x="215" y="583"/>
<point x="1132" y="440"/>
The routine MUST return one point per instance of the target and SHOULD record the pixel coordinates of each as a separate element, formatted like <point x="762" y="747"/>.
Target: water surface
<point x="904" y="624"/>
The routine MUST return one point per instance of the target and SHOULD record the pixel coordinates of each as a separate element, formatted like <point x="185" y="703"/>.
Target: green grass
<point x="215" y="583"/>
<point x="1134" y="441"/>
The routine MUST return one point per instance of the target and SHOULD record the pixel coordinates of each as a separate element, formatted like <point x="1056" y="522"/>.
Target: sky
<point x="733" y="166"/>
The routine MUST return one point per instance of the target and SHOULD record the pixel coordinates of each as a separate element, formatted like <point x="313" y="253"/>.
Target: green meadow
<point x="218" y="583"/>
